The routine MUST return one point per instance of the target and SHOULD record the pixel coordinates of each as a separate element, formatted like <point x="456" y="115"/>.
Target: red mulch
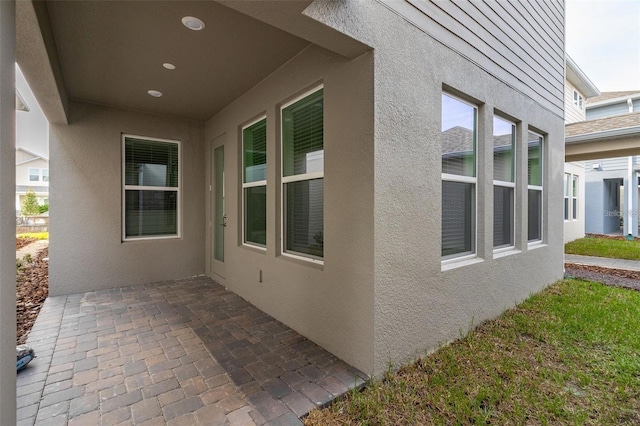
<point x="23" y="241"/>
<point x="32" y="289"/>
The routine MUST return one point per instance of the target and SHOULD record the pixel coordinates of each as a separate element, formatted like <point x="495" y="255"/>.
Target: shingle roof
<point x="605" y="96"/>
<point x="603" y="124"/>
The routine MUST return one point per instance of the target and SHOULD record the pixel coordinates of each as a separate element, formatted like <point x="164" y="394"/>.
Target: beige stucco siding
<point x="333" y="304"/>
<point x="86" y="251"/>
<point x="418" y="306"/>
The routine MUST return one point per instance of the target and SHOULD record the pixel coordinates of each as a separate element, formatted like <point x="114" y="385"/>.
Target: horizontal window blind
<point x="303" y="159"/>
<point x="151" y="188"/>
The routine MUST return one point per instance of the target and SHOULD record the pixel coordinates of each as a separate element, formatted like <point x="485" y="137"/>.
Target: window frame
<point x="253" y="184"/>
<point x="126" y="187"/>
<point x="505" y="184"/>
<point x="448" y="177"/>
<point x="578" y="100"/>
<point x="575" y="181"/>
<point x="567" y="197"/>
<point x="284" y="180"/>
<point x="37" y="174"/>
<point x="539" y="188"/>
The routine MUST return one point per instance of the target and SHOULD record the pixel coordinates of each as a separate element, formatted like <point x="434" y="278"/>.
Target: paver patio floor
<point x="184" y="352"/>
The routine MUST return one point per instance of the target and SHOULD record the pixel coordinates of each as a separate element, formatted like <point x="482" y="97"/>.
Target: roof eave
<point x="579" y="79"/>
<point x="603" y="135"/>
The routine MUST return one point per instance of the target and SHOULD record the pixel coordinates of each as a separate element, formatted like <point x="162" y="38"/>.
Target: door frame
<point x="216" y="267"/>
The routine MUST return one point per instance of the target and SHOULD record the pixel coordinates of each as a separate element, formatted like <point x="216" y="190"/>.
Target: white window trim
<point x="567" y="197"/>
<point x="538" y="188"/>
<point x="465" y="256"/>
<point x="154" y="188"/>
<point x="511" y="185"/>
<point x="40" y="172"/>
<point x="246" y="185"/>
<point x="574" y="196"/>
<point x="507" y="184"/>
<point x="295" y="178"/>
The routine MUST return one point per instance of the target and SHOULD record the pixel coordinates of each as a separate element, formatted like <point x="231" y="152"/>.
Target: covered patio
<point x="176" y="353"/>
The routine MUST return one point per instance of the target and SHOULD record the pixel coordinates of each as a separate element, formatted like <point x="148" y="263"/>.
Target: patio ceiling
<point x="112" y="53"/>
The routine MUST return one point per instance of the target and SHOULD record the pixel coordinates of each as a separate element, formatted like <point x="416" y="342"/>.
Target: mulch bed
<point x="32" y="289"/>
<point x="614" y="277"/>
<point x="22" y="241"/>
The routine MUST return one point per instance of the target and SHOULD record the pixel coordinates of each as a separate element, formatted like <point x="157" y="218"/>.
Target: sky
<point x="32" y="129"/>
<point x="603" y="38"/>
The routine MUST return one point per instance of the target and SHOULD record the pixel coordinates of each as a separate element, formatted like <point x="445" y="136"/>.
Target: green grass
<point x="604" y="247"/>
<point x="569" y="355"/>
<point x="36" y="235"/>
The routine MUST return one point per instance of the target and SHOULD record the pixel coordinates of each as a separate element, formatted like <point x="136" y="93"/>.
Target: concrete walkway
<point x="183" y="352"/>
<point x="633" y="265"/>
<point x="32" y="248"/>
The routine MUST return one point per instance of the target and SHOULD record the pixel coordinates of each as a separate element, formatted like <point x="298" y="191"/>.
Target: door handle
<point x="224" y="221"/>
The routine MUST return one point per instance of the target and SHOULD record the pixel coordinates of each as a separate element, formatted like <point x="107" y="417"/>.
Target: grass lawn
<point x="569" y="355"/>
<point x="604" y="247"/>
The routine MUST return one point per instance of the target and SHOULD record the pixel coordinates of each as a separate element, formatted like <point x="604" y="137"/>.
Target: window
<point x="34" y="175"/>
<point x="504" y="134"/>
<point x="38" y="175"/>
<point x="574" y="197"/>
<point x="151" y="191"/>
<point x="303" y="176"/>
<point x="535" y="185"/>
<point x="567" y="194"/>
<point x="458" y="139"/>
<point x="577" y="100"/>
<point x="254" y="182"/>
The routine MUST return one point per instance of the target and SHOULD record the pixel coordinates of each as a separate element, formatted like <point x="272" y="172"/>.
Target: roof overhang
<point x="112" y="53"/>
<point x="21" y="105"/>
<point x="606" y="144"/>
<point x="579" y="79"/>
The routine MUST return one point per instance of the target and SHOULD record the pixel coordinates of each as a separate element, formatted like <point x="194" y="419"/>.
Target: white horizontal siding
<point x="609" y="164"/>
<point x="571" y="112"/>
<point x="520" y="43"/>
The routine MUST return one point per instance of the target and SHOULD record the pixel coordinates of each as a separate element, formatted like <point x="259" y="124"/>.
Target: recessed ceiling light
<point x="193" y="23"/>
<point x="169" y="66"/>
<point x="154" y="93"/>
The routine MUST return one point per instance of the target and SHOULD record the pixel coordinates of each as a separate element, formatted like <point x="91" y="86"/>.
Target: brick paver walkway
<point x="183" y="352"/>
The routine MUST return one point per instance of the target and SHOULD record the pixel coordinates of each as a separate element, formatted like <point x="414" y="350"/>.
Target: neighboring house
<point x="32" y="172"/>
<point x="294" y="152"/>
<point x="613" y="123"/>
<point x="578" y="88"/>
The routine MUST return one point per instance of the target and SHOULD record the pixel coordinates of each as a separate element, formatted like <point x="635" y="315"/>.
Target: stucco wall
<point x="418" y="306"/>
<point x="7" y="222"/>
<point x="333" y="304"/>
<point x="86" y="249"/>
<point x="574" y="228"/>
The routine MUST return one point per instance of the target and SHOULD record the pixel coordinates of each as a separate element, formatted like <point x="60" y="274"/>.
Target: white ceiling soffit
<point x="112" y="53"/>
